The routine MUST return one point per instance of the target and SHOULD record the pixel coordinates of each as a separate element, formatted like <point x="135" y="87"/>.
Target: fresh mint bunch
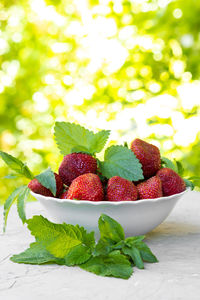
<point x="66" y="244"/>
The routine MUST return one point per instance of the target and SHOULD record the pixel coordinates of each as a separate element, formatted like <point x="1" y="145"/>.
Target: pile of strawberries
<point x="80" y="178"/>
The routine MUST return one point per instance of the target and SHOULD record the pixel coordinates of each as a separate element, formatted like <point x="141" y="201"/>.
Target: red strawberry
<point x="148" y="155"/>
<point x="172" y="183"/>
<point x="76" y="164"/>
<point x="150" y="189"/>
<point x="37" y="188"/>
<point x="86" y="187"/>
<point x="64" y="195"/>
<point x="120" y="189"/>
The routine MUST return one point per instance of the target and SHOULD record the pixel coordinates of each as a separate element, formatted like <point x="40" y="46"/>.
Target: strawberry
<point x="37" y="188"/>
<point x="76" y="164"/>
<point x="64" y="195"/>
<point x="148" y="155"/>
<point x="150" y="189"/>
<point x="120" y="189"/>
<point x="86" y="187"/>
<point x="172" y="183"/>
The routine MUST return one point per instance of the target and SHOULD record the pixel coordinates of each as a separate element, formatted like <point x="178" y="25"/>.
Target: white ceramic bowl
<point x="136" y="217"/>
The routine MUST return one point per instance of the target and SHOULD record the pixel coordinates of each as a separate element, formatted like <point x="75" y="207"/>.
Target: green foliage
<point x="58" y="239"/>
<point x="8" y="203"/>
<point x="114" y="264"/>
<point x="131" y="67"/>
<point x="47" y="179"/>
<point x="36" y="254"/>
<point x="23" y="195"/>
<point x="113" y="255"/>
<point x="16" y="165"/>
<point x="75" y="138"/>
<point x="121" y="161"/>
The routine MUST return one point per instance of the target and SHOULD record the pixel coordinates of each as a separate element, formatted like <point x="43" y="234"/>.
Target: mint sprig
<point x="16" y="165"/>
<point x="121" y="161"/>
<point x="71" y="245"/>
<point x="23" y="195"/>
<point x="8" y="203"/>
<point x="72" y="137"/>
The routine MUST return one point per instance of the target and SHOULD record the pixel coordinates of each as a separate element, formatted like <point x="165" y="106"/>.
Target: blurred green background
<point x="129" y="66"/>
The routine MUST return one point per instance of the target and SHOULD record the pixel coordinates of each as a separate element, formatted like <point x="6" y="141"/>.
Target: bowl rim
<point x="114" y="203"/>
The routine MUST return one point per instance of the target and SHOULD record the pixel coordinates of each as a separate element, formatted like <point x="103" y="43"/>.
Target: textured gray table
<point x="176" y="243"/>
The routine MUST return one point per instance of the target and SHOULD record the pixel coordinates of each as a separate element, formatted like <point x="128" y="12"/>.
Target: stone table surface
<point x="176" y="243"/>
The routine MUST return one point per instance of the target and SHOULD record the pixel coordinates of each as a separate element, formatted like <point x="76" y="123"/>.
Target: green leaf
<point x="72" y="137"/>
<point x="180" y="169"/>
<point x="8" y="203"/>
<point x="134" y="253"/>
<point x="130" y="241"/>
<point x="167" y="163"/>
<point x="110" y="229"/>
<point x="23" y="195"/>
<point x="125" y="144"/>
<point x="58" y="239"/>
<point x="37" y="255"/>
<point x="146" y="253"/>
<point x="47" y="179"/>
<point x="121" y="161"/>
<point x="114" y="264"/>
<point x="99" y="141"/>
<point x="16" y="165"/>
<point x="195" y="180"/>
<point x="104" y="247"/>
<point x="189" y="183"/>
<point x="69" y="135"/>
<point x="77" y="255"/>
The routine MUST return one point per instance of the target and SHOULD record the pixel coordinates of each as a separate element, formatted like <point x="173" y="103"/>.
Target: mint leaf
<point x="16" y="165"/>
<point x="58" y="239"/>
<point x="167" y="163"/>
<point x="23" y="195"/>
<point x="99" y="140"/>
<point x="189" y="183"/>
<point x="134" y="253"/>
<point x="121" y="161"/>
<point x="180" y="169"/>
<point x="192" y="182"/>
<point x="114" y="264"/>
<point x="110" y="229"/>
<point x="69" y="135"/>
<point x="104" y="247"/>
<point x="36" y="254"/>
<point x="130" y="241"/>
<point x="72" y="137"/>
<point x="146" y="253"/>
<point x="138" y="251"/>
<point x="8" y="203"/>
<point x="47" y="179"/>
<point x="77" y="255"/>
